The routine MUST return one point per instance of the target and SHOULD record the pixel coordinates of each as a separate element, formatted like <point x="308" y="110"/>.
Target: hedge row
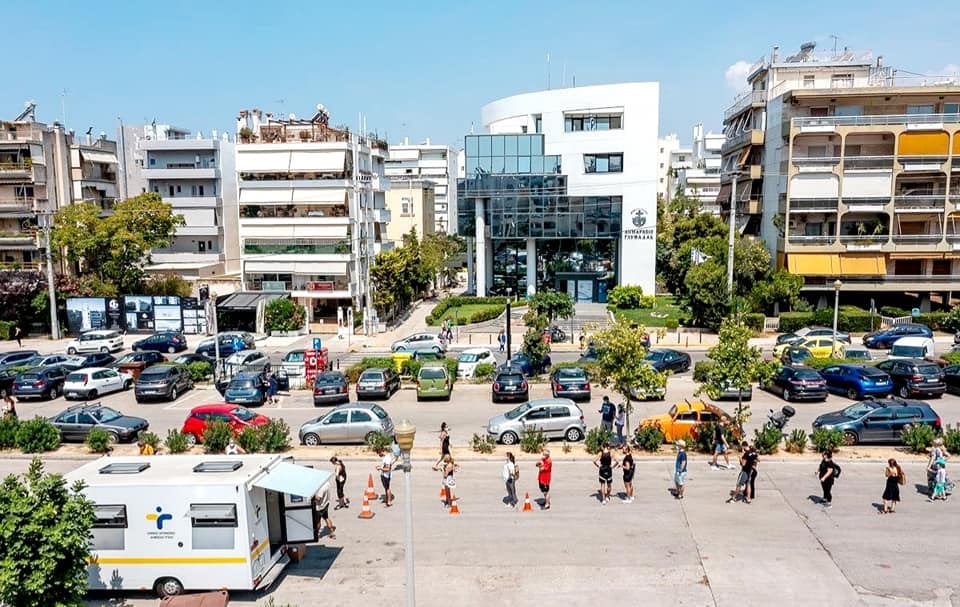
<point x="409" y="367"/>
<point x="456" y="301"/>
<point x="6" y="329"/>
<point x="853" y="320"/>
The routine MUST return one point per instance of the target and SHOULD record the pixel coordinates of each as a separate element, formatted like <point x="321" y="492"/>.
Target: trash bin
<point x="399" y="357"/>
<point x="133" y="369"/>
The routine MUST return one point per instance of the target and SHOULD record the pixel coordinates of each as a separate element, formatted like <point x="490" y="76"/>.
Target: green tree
<point x="533" y="345"/>
<point x="736" y="365"/>
<point x="44" y="532"/>
<point x="707" y="293"/>
<point x="779" y="287"/>
<point x="552" y="304"/>
<point x="115" y="248"/>
<point x="437" y="252"/>
<point x="621" y="365"/>
<point x="284" y="314"/>
<point x="167" y="284"/>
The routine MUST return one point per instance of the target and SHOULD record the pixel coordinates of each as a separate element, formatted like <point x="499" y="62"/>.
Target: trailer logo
<point x="160" y="516"/>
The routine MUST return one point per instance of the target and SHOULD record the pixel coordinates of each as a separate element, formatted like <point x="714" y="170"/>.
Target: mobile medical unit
<point x="197" y="522"/>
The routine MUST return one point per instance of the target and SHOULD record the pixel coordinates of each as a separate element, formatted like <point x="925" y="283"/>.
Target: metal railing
<point x="913" y="202"/>
<point x="868" y="162"/>
<point x="15" y="166"/>
<point x="813" y="204"/>
<point x="294" y="247"/>
<point x="815" y="160"/>
<point x="864" y="238"/>
<point x="917" y="238"/>
<point x="878" y="120"/>
<point x="802" y="239"/>
<point x="741" y="138"/>
<point x="745" y="100"/>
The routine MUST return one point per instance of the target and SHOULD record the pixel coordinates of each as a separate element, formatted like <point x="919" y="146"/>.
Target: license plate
<point x="930" y="380"/>
<point x="509" y="388"/>
<point x="73" y="394"/>
<point x="330" y="391"/>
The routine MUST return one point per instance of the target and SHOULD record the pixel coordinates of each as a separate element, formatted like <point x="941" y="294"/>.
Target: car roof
<point x="913" y="339"/>
<point x="213" y="407"/>
<point x="358" y="405"/>
<point x="99" y="332"/>
<point x="90" y="370"/>
<point x="552" y="401"/>
<point x="378" y="369"/>
<point x="475" y="350"/>
<point x="248" y="375"/>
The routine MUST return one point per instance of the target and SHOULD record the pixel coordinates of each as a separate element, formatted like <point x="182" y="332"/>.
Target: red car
<point x="237" y="416"/>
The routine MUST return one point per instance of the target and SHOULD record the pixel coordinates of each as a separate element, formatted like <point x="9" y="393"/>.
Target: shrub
<point x="8" y="431"/>
<point x="823" y="439"/>
<point x="893" y="311"/>
<point x="98" y="441"/>
<point x="149" y="438"/>
<point x="951" y="439"/>
<point x="596" y="439"/>
<point x="451" y="302"/>
<point x="483" y="444"/>
<point x="952" y="357"/>
<point x="918" y="437"/>
<point x="532" y="440"/>
<point x="628" y="297"/>
<point x="754" y="320"/>
<point x="791" y="321"/>
<point x="176" y="441"/>
<point x="484" y="372"/>
<point x="952" y="321"/>
<point x="451" y="365"/>
<point x="796" y="442"/>
<point x="217" y="436"/>
<point x="671" y="323"/>
<point x="378" y="440"/>
<point x="249" y="439"/>
<point x="703" y="437"/>
<point x="482" y="315"/>
<point x="200" y="371"/>
<point x="702" y="369"/>
<point x="938" y="321"/>
<point x="648" y="438"/>
<point x="6" y="329"/>
<point x="767" y="440"/>
<point x="274" y="436"/>
<point x="284" y="314"/>
<point x="37" y="435"/>
<point x="410" y="367"/>
<point x="353" y="372"/>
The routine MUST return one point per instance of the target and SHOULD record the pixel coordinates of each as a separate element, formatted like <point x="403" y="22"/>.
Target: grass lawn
<point x="666" y="307"/>
<point x="466" y="311"/>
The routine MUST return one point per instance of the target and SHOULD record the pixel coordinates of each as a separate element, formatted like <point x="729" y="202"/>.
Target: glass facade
<point x="508" y="155"/>
<point x="562" y="265"/>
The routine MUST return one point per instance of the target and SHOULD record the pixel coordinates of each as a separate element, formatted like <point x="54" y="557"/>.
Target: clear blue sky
<point x="415" y="68"/>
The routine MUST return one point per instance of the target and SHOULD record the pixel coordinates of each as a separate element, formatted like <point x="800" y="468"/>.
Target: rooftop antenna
<point x="63" y="106"/>
<point x="835" y="38"/>
<point x="28" y="112"/>
<point x="281" y="102"/>
<point x="548" y="70"/>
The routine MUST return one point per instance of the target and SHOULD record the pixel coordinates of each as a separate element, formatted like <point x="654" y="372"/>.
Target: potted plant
<point x="246" y="135"/>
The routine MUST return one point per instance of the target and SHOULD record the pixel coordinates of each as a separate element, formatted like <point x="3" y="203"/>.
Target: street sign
<point x="915" y="312"/>
<point x="317" y="344"/>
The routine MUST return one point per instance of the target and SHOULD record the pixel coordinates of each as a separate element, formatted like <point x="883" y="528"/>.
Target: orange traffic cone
<point x="365" y="511"/>
<point x="454" y="509"/>
<point x="526" y="503"/>
<point x="370" y="493"/>
<point x="443" y="490"/>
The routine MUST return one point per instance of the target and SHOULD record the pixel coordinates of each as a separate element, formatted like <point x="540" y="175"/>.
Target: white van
<point x="197" y="522"/>
<point x="912" y="347"/>
<point x="96" y="341"/>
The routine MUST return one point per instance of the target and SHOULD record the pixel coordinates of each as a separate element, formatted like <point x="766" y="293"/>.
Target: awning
<point x="863" y="265"/>
<point x="277" y="161"/>
<point x="265" y="195"/>
<point x="318" y="161"/>
<point x="101" y="157"/>
<point x="724" y="196"/>
<point x="247" y="300"/>
<point x="293" y="479"/>
<point x="334" y="195"/>
<point x="743" y="156"/>
<point x="814" y="264"/>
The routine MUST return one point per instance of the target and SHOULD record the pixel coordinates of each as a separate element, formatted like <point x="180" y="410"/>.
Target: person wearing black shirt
<point x="750" y="463"/>
<point x="720" y="445"/>
<point x="827" y="474"/>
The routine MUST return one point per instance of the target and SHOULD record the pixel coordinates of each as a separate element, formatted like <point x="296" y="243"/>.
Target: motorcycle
<point x="779" y="419"/>
<point x="557" y="335"/>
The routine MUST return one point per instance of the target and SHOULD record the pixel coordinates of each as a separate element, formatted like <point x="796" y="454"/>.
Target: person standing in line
<point x="619" y="421"/>
<point x="385" y="469"/>
<point x="510" y="475"/>
<point x="680" y="469"/>
<point x="937" y="451"/>
<point x="340" y="476"/>
<point x="449" y="480"/>
<point x="544" y="477"/>
<point x="743" y="478"/>
<point x="9" y="406"/>
<point x="321" y="502"/>
<point x="939" y="480"/>
<point x="827" y="473"/>
<point x="752" y="457"/>
<point x="272" y="386"/>
<point x="628" y="470"/>
<point x="720" y="445"/>
<point x="18" y="335"/>
<point x="605" y="463"/>
<point x="891" y="491"/>
<point x="502" y="340"/>
<point x="607" y="413"/>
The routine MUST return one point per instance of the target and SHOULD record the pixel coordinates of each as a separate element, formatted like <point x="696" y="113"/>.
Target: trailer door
<point x="299" y="484"/>
<point x="300" y="519"/>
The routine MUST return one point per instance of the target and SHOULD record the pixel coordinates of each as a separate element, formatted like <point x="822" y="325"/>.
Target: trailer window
<point x="214" y="526"/>
<point x="109" y="527"/>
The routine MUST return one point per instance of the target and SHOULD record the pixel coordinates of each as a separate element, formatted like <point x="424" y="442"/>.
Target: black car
<point x="13" y="359"/>
<point x="94" y="359"/>
<point x="795" y="356"/>
<point x="162" y="341"/>
<point x="147" y="358"/>
<point x="798" y="384"/>
<point x="914" y="377"/>
<point x="668" y="360"/>
<point x="40" y="382"/>
<point x="878" y="420"/>
<point x="330" y="388"/>
<point x="75" y="423"/>
<point x="951" y="377"/>
<point x="162" y="382"/>
<point x="188" y="358"/>
<point x="379" y="382"/>
<point x="886" y="337"/>
<point x="509" y="384"/>
<point x="570" y="382"/>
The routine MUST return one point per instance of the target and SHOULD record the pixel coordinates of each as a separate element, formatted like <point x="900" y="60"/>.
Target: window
<point x="819" y="111"/>
<point x="538" y="124"/>
<point x="179" y="189"/>
<point x="559" y="412"/>
<point x="809" y="81"/>
<point x="109" y="524"/>
<point x="406" y="206"/>
<point x="687" y="416"/>
<point x="338" y="417"/>
<point x="841" y="81"/>
<point x="200" y="190"/>
<point x="541" y="413"/>
<point x="213" y="526"/>
<point x="360" y="416"/>
<point x="599" y="122"/>
<point x="201" y="246"/>
<point x="925" y="108"/>
<point x="170" y="189"/>
<point x="951" y="108"/>
<point x="849" y="110"/>
<point x="153" y="162"/>
<point x="603" y="163"/>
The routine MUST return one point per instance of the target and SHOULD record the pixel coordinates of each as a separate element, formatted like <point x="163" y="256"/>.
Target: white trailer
<point x="197" y="522"/>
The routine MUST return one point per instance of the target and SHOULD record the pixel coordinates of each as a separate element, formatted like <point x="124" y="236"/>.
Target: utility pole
<point x="46" y="218"/>
<point x="732" y="234"/>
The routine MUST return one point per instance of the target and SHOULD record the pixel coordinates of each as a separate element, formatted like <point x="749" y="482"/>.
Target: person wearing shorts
<point x="628" y="470"/>
<point x="605" y="463"/>
<point x="322" y="504"/>
<point x="340" y="476"/>
<point x="543" y="478"/>
<point x="680" y="469"/>
<point x="720" y="446"/>
<point x="385" y="468"/>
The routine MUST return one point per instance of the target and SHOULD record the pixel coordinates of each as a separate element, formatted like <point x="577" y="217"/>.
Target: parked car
<point x="570" y="382"/>
<point x="668" y="360"/>
<point x="796" y="357"/>
<point x="856" y="382"/>
<point x="434" y="381"/>
<point x="190" y="358"/>
<point x="912" y="347"/>
<point x="76" y="422"/>
<point x="235" y="416"/>
<point x="683" y="419"/>
<point x="352" y="423"/>
<point x="820" y="347"/>
<point x="731" y="393"/>
<point x="419" y="341"/>
<point x="247" y="361"/>
<point x="94" y="359"/>
<point x="856" y="353"/>
<point x="162" y="382"/>
<point x="331" y="387"/>
<point x="797" y="384"/>
<point x="528" y="366"/>
<point x="246" y="389"/>
<point x="7" y="377"/>
<point x="96" y="341"/>
<point x="809" y="332"/>
<point x="294" y="363"/>
<point x="380" y="382"/>
<point x="162" y="341"/>
<point x="878" y="421"/>
<point x="658" y="393"/>
<point x="229" y="344"/>
<point x="147" y="359"/>
<point x="40" y="382"/>
<point x="44" y="360"/>
<point x="471" y="358"/>
<point x="914" y="377"/>
<point x="885" y="337"/>
<point x="92" y="382"/>
<point x="555" y="417"/>
<point x="14" y="359"/>
<point x="951" y="377"/>
<point x="509" y="384"/>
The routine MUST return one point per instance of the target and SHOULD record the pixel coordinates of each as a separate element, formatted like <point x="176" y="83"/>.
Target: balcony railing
<point x="749" y="136"/>
<point x="804" y="205"/>
<point x="918" y="203"/>
<point x="15" y="166"/>
<point x="938" y="279"/>
<point x="804" y="240"/>
<point x="867" y="162"/>
<point x="879" y="120"/>
<point x="928" y="162"/>
<point x="864" y="238"/>
<point x="258" y="284"/>
<point x="917" y="238"/>
<point x="812" y="162"/>
<point x="297" y="247"/>
<point x="292" y="211"/>
<point x="744" y="101"/>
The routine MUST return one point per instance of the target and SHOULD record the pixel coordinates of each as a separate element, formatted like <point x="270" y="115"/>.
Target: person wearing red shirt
<point x="543" y="478"/>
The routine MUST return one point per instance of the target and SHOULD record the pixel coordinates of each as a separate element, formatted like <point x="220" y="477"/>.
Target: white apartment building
<point x="699" y="175"/>
<point x="312" y="213"/>
<point x="196" y="176"/>
<point x="562" y="192"/>
<point x="428" y="162"/>
<point x="666" y="146"/>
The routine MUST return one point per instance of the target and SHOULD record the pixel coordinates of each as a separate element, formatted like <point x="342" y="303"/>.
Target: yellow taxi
<point x="820" y="347"/>
<point x="683" y="419"/>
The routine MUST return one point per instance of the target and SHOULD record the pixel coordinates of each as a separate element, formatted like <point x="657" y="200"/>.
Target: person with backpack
<point x="828" y="472"/>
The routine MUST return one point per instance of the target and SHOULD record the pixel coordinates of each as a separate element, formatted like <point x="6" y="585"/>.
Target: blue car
<point x="162" y="341"/>
<point x="246" y="389"/>
<point x="856" y="382"/>
<point x="228" y="345"/>
<point x="886" y="337"/>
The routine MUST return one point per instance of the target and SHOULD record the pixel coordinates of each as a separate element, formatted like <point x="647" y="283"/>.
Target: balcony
<point x="19" y="241"/>
<point x="17" y="206"/>
<point x="178" y="144"/>
<point x="378" y="215"/>
<point x="745" y="100"/>
<point x="922" y="164"/>
<point x="813" y="205"/>
<point x="812" y="164"/>
<point x="297" y="247"/>
<point x="191" y="202"/>
<point x="208" y="230"/>
<point x="919" y="204"/>
<point x="193" y="172"/>
<point x="860" y="163"/>
<point x="864" y="242"/>
<point x="185" y="257"/>
<point x="810" y="241"/>
<point x="747" y="137"/>
<point x="918" y="122"/>
<point x="917" y="239"/>
<point x="893" y="282"/>
<point x="16" y="170"/>
<point x="300" y="211"/>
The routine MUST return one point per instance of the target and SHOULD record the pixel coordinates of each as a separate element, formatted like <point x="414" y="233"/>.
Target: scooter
<point x="779" y="419"/>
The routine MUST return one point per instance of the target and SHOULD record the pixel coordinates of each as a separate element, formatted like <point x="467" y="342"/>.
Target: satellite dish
<point x="293" y="116"/>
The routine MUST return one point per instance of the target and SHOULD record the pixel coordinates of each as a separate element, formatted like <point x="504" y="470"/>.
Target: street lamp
<point x="404" y="432"/>
<point x="731" y="235"/>
<point x="508" y="326"/>
<point x="836" y="305"/>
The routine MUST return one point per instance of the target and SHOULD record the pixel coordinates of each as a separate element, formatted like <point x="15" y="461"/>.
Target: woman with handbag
<point x="449" y="480"/>
<point x="891" y="491"/>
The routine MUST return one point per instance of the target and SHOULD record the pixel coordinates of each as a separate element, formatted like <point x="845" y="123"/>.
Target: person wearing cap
<point x="680" y="469"/>
<point x="940" y="480"/>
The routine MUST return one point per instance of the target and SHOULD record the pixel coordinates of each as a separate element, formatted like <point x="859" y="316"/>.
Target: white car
<point x="96" y="341"/>
<point x="247" y="360"/>
<point x="90" y="383"/>
<point x="419" y="341"/>
<point x="471" y="358"/>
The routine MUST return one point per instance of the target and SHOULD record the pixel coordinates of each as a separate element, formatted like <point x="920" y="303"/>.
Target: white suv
<point x="92" y="382"/>
<point x="96" y="341"/>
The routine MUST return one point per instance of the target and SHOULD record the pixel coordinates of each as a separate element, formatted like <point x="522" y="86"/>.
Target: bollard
<point x="687" y="342"/>
<point x="489" y="339"/>
<point x="338" y="364"/>
<point x="470" y="339"/>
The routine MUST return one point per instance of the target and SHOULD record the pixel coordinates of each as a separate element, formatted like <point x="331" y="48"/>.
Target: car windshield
<point x="654" y="356"/>
<point x="128" y="358"/>
<point x="907" y="351"/>
<point x="379" y="411"/>
<point x="329" y="378"/>
<point x="294" y="357"/>
<point x="807" y="374"/>
<point x="468" y="357"/>
<point x="871" y="372"/>
<point x="155" y="373"/>
<point x="30" y="376"/>
<point x="186" y="359"/>
<point x="432" y="373"/>
<point x="928" y="369"/>
<point x="76" y="377"/>
<point x="371" y="376"/>
<point x="104" y="414"/>
<point x="571" y="374"/>
<point x="243" y="414"/>
<point x="857" y="354"/>
<point x="514" y="378"/>
<point x="858" y="410"/>
<point x="800" y="354"/>
<point x="31" y="362"/>
<point x="515" y="413"/>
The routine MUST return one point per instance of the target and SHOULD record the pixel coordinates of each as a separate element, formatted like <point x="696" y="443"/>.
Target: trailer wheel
<point x="168" y="586"/>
